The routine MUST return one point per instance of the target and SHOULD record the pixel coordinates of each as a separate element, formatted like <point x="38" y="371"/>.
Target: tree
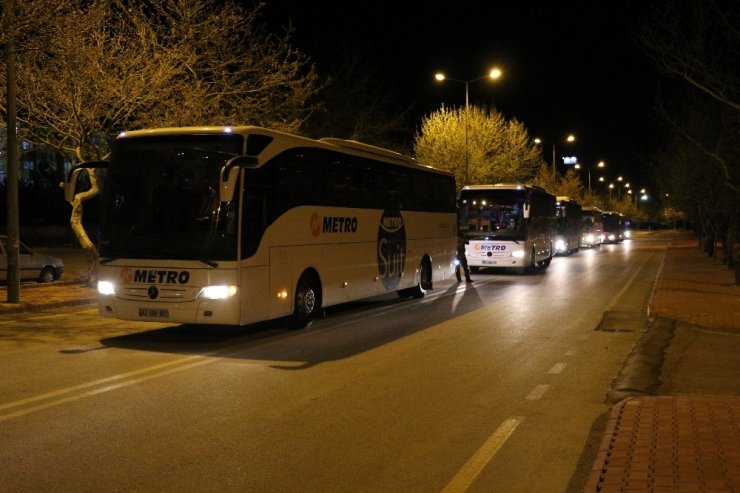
<point x="102" y="66"/>
<point x="698" y="44"/>
<point x="567" y="185"/>
<point x="498" y="150"/>
<point x="356" y="104"/>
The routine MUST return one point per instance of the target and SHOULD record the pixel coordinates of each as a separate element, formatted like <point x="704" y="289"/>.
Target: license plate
<point x="488" y="262"/>
<point x="154" y="312"/>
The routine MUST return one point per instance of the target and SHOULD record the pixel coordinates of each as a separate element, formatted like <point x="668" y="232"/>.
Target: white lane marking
<point x="617" y="296"/>
<point x="537" y="393"/>
<point x="465" y="476"/>
<point x="556" y="368"/>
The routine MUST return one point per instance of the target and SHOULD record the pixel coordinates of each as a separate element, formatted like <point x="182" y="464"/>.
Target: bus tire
<point x="307" y="301"/>
<point x="532" y="267"/>
<point x="425" y="282"/>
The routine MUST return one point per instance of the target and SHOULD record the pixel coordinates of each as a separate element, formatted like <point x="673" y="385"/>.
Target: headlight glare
<point x="106" y="288"/>
<point x="217" y="292"/>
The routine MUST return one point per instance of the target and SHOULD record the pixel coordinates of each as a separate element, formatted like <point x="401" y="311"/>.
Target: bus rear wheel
<point x="307" y="301"/>
<point x="425" y="282"/>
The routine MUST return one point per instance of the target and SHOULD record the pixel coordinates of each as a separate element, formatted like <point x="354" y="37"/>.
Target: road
<point x="493" y="386"/>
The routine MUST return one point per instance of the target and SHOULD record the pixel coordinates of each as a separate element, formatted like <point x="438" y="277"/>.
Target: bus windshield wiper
<point x="209" y="263"/>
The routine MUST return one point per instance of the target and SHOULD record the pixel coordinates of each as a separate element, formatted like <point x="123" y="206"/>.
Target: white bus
<point x="235" y="225"/>
<point x="592" y="234"/>
<point x="510" y="226"/>
<point x="570" y="224"/>
<point x="613" y="226"/>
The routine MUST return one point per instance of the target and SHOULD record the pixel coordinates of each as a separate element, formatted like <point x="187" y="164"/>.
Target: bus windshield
<point x="160" y="199"/>
<point x="494" y="214"/>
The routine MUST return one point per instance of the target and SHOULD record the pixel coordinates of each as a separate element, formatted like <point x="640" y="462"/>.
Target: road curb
<point x="640" y="371"/>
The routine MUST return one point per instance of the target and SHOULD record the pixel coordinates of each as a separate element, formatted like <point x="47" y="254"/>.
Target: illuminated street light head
<point x="439" y="76"/>
<point x="538" y="141"/>
<point x="571" y="138"/>
<point x="495" y="73"/>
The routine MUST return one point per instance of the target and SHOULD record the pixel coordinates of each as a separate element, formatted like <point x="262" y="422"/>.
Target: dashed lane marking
<point x="470" y="471"/>
<point x="537" y="392"/>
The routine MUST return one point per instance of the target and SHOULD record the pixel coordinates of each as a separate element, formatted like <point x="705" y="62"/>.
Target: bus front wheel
<point x="307" y="301"/>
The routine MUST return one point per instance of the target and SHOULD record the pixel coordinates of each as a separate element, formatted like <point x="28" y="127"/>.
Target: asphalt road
<point x="495" y="386"/>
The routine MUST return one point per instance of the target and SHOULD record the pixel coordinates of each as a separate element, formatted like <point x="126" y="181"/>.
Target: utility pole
<point x="13" y="277"/>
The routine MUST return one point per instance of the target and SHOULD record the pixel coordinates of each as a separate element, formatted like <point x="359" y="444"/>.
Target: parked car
<point x="33" y="266"/>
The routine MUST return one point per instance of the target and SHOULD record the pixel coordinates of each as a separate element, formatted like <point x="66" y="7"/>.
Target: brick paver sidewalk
<point x="697" y="289"/>
<point x="670" y="444"/>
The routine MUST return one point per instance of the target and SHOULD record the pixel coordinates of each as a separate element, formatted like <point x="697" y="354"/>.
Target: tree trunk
<point x="75" y="221"/>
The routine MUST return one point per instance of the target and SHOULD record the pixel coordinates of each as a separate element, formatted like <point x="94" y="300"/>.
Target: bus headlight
<point x="106" y="288"/>
<point x="217" y="292"/>
<point x="590" y="238"/>
<point x="518" y="253"/>
<point x="559" y="245"/>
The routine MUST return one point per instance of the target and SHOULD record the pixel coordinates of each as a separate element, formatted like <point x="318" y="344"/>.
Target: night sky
<point x="569" y="66"/>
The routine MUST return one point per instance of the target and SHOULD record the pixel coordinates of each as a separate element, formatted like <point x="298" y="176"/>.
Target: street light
<point x="642" y="195"/>
<point x="494" y="73"/>
<point x="569" y="138"/>
<point x="600" y="164"/>
<point x="611" y="186"/>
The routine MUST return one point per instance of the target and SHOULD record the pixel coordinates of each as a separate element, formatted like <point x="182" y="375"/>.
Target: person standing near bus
<point x="461" y="260"/>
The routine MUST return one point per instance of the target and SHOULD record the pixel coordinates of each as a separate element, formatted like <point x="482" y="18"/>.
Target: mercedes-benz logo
<point x="153" y="292"/>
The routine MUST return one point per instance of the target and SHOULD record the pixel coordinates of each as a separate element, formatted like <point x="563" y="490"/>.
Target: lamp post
<point x="611" y="186"/>
<point x="569" y="138"/>
<point x="494" y="73"/>
<point x="600" y="164"/>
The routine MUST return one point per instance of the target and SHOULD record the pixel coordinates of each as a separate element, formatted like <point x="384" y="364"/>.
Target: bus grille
<point x="166" y="294"/>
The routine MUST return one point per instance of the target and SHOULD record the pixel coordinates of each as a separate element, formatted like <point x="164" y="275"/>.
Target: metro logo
<point x="485" y="247"/>
<point x="159" y="276"/>
<point x="391" y="248"/>
<point x="332" y="224"/>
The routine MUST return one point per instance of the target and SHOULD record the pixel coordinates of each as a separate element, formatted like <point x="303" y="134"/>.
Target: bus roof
<point x="505" y="186"/>
<point x="290" y="140"/>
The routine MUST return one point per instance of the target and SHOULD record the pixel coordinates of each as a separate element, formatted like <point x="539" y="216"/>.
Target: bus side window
<point x="341" y="181"/>
<point x="254" y="219"/>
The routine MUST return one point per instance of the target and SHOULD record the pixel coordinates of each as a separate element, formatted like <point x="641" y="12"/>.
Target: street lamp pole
<point x="569" y="138"/>
<point x="601" y="164"/>
<point x="495" y="73"/>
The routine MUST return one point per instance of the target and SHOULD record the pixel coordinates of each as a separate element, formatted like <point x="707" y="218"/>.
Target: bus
<point x="507" y="226"/>
<point x="592" y="234"/>
<point x="237" y="225"/>
<point x="613" y="227"/>
<point x="570" y="224"/>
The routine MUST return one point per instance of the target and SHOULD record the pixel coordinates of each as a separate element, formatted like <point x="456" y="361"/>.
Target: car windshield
<point x="160" y="199"/>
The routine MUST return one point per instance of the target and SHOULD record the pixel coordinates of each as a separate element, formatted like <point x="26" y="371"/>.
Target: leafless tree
<point x="96" y="67"/>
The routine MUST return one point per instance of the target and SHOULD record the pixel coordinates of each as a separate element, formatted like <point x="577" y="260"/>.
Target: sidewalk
<point x="70" y="290"/>
<point x="683" y="442"/>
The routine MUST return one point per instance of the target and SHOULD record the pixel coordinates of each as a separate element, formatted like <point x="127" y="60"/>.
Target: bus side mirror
<point x="525" y="211"/>
<point x="70" y="184"/>
<point x="230" y="173"/>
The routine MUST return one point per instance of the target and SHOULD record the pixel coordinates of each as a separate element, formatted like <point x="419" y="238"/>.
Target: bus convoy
<point x="237" y="225"/>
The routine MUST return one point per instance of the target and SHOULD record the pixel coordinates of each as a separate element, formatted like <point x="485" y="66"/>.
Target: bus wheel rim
<point x="307" y="301"/>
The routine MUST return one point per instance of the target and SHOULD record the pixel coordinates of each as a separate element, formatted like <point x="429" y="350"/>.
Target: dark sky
<point x="569" y="66"/>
